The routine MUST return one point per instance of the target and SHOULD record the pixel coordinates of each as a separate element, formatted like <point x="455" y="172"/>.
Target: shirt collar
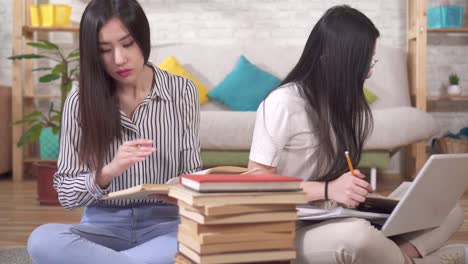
<point x="160" y="85"/>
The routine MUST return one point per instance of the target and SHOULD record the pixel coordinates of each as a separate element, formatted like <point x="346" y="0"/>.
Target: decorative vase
<point x="454" y="90"/>
<point x="48" y="144"/>
<point x="44" y="172"/>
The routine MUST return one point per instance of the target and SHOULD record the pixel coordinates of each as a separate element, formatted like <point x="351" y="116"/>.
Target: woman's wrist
<point x="105" y="177"/>
<point x="314" y="190"/>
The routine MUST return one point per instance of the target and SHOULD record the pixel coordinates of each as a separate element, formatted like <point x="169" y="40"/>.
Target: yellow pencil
<point x="350" y="165"/>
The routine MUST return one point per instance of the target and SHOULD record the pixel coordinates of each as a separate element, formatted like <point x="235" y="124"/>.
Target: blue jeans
<point x="143" y="234"/>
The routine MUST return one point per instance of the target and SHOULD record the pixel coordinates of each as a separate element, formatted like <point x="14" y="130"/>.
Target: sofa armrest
<point x="400" y="126"/>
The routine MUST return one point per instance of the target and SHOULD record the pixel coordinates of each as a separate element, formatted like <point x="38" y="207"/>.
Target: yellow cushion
<point x="170" y="64"/>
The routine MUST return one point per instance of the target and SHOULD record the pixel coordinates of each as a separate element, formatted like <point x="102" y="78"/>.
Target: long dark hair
<point x="99" y="108"/>
<point x="330" y="74"/>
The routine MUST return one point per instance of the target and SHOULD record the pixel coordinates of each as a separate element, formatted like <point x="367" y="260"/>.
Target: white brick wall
<point x="224" y="21"/>
<point x="274" y="21"/>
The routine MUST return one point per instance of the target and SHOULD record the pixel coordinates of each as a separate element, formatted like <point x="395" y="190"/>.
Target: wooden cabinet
<point x="5" y="130"/>
<point x="23" y="92"/>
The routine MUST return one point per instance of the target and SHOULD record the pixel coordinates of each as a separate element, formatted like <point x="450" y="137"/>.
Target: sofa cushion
<point x="389" y="80"/>
<point x="170" y="64"/>
<point x="393" y="128"/>
<point x="370" y="96"/>
<point x="211" y="63"/>
<point x="245" y="87"/>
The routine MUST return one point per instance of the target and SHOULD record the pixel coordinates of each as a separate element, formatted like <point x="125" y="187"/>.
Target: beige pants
<point x="354" y="240"/>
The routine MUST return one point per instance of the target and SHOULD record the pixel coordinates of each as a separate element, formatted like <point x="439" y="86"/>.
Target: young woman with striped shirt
<point x="128" y="123"/>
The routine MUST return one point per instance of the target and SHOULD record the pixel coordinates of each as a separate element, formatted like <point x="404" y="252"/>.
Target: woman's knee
<point x="357" y="238"/>
<point x="363" y="243"/>
<point x="44" y="238"/>
<point x="337" y="241"/>
<point x="457" y="215"/>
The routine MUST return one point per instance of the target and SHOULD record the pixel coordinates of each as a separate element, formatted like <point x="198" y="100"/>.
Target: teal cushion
<point x="245" y="87"/>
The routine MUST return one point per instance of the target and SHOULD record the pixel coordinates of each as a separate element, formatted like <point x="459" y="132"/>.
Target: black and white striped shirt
<point x="170" y="115"/>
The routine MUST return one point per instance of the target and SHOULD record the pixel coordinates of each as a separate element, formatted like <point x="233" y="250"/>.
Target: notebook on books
<point x="240" y="183"/>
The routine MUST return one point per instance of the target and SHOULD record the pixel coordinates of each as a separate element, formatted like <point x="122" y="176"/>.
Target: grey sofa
<point x="226" y="135"/>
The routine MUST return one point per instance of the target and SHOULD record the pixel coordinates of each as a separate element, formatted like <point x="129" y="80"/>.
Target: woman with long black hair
<point x="128" y="123"/>
<point x="303" y="129"/>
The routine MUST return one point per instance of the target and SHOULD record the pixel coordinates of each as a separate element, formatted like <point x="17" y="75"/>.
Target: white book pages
<point x="316" y="213"/>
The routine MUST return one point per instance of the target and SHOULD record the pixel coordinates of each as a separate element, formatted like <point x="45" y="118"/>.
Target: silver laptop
<point x="432" y="195"/>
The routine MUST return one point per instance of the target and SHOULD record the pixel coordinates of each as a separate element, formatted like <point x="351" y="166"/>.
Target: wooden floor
<point x="20" y="212"/>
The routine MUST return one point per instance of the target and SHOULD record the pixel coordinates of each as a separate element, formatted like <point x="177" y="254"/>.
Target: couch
<point x="226" y="135"/>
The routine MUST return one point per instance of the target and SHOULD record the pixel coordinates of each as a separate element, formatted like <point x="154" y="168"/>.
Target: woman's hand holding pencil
<point x="350" y="188"/>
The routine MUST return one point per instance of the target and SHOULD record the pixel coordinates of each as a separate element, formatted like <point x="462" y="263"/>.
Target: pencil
<point x="350" y="165"/>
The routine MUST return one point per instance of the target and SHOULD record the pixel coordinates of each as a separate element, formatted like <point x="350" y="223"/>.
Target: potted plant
<point x="454" y="88"/>
<point x="45" y="127"/>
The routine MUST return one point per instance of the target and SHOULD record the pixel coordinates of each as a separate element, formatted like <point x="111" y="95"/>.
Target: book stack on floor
<point x="232" y="218"/>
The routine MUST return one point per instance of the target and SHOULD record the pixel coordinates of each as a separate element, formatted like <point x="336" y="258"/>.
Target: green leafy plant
<point x="65" y="71"/>
<point x="454" y="79"/>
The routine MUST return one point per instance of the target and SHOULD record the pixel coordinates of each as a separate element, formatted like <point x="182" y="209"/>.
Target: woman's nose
<point x="119" y="56"/>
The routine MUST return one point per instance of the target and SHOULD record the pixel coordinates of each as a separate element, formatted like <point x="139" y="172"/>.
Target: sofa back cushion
<point x="390" y="78"/>
<point x="245" y="87"/>
<point x="210" y="65"/>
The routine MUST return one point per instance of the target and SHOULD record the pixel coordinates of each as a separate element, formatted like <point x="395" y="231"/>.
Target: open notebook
<point x="144" y="191"/>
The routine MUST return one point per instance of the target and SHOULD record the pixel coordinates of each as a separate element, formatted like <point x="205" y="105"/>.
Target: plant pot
<point x="62" y="15"/>
<point x="454" y="90"/>
<point x="46" y="12"/>
<point x="49" y="144"/>
<point x="44" y="172"/>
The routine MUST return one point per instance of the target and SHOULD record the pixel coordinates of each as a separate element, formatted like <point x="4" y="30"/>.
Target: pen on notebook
<point x="350" y="165"/>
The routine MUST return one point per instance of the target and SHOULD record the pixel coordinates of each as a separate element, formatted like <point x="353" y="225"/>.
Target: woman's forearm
<point x="314" y="190"/>
<point x="104" y="178"/>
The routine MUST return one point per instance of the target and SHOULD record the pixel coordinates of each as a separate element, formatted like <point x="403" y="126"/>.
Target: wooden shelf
<point x="42" y="96"/>
<point x="31" y="29"/>
<point x="448" y="97"/>
<point x="447" y="106"/>
<point x="448" y="30"/>
<point x="447" y="103"/>
<point x="24" y="94"/>
<point x="32" y="160"/>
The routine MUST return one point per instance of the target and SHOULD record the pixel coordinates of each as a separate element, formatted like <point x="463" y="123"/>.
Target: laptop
<point x="431" y="196"/>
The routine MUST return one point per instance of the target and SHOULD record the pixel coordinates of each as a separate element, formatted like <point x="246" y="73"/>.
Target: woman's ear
<point x="369" y="73"/>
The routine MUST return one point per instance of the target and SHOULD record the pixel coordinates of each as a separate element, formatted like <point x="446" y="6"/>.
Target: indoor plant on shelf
<point x="454" y="88"/>
<point x="45" y="127"/>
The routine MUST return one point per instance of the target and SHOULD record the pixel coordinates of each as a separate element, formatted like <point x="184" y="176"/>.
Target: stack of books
<point x="232" y="218"/>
